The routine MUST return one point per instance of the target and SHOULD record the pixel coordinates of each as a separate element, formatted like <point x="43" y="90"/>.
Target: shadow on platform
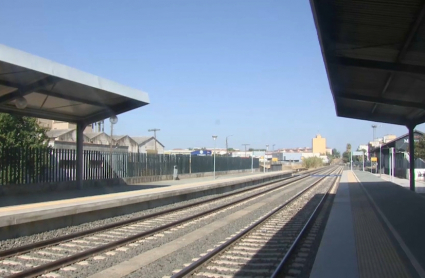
<point x="15" y="200"/>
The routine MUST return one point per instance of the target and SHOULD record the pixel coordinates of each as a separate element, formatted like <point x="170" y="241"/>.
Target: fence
<point x="38" y="165"/>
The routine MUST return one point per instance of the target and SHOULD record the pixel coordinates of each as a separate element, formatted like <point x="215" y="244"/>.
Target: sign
<point x="358" y="153"/>
<point x="201" y="152"/>
<point x="374" y="159"/>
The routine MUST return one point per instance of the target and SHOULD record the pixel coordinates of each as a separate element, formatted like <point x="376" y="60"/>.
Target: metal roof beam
<point x="24" y="90"/>
<point x="377" y="65"/>
<point x="381" y="100"/>
<point x="71" y="98"/>
<point x="362" y="115"/>
<point x="29" y="112"/>
<point x="113" y="110"/>
<point x="403" y="50"/>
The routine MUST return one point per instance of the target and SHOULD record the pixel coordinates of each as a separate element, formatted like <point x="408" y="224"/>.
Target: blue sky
<point x="247" y="68"/>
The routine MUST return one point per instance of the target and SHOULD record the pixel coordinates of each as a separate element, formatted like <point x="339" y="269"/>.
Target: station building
<point x="401" y="157"/>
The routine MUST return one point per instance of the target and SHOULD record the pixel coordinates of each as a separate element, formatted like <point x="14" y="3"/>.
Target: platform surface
<point x="27" y="208"/>
<point x="375" y="229"/>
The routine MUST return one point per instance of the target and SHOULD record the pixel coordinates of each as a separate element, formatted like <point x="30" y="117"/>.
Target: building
<point x="148" y="144"/>
<point x="287" y="156"/>
<point x="126" y="141"/>
<point x="134" y="145"/>
<point x="64" y="135"/>
<point x="364" y="148"/>
<point x="52" y="124"/>
<point x="99" y="138"/>
<point x="401" y="157"/>
<point x="319" y="144"/>
<point x="179" y="151"/>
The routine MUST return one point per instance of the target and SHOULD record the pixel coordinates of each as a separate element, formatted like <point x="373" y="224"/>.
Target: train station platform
<point x="376" y="228"/>
<point x="29" y="214"/>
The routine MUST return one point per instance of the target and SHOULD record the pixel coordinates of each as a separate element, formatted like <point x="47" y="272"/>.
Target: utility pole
<point x="154" y="134"/>
<point x="245" y="147"/>
<point x="227" y="148"/>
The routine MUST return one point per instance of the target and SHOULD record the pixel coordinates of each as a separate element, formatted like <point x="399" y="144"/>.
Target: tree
<point x="346" y="156"/>
<point x="23" y="145"/>
<point x="348" y="148"/>
<point x="336" y="153"/>
<point x="420" y="148"/>
<point x="21" y="132"/>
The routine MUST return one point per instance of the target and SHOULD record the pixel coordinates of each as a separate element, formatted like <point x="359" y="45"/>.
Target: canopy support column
<point x="412" y="156"/>
<point x="79" y="170"/>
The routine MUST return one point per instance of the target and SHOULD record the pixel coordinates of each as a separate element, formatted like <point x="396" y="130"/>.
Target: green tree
<point x="23" y="145"/>
<point x="336" y="153"/>
<point x="420" y="148"/>
<point x="21" y="132"/>
<point x="346" y="156"/>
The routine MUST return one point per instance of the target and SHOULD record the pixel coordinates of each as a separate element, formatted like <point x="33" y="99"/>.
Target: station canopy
<point x="374" y="54"/>
<point x="58" y="92"/>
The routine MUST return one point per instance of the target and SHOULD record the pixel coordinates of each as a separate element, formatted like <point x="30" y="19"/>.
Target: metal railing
<point x="39" y="165"/>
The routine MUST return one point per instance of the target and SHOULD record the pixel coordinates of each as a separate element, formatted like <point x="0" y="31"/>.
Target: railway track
<point x="263" y="248"/>
<point x="43" y="257"/>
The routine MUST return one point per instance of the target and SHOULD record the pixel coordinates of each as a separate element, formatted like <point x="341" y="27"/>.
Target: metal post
<point x="412" y="156"/>
<point x="380" y="160"/>
<point x="392" y="163"/>
<point x="227" y="148"/>
<point x="252" y="162"/>
<point x="363" y="162"/>
<point x="79" y="156"/>
<point x="110" y="151"/>
<point x="214" y="137"/>
<point x="351" y="160"/>
<point x="265" y="153"/>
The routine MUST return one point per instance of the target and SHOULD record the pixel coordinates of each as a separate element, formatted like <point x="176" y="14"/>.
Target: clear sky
<point x="248" y="68"/>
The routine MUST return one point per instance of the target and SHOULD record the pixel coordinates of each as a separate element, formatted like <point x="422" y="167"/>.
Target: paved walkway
<point x="375" y="229"/>
<point x="6" y="201"/>
<point x="419" y="185"/>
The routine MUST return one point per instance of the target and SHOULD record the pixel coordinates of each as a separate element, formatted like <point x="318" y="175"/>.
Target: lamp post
<point x="113" y="120"/>
<point x="374" y="128"/>
<point x="214" y="137"/>
<point x="227" y="148"/>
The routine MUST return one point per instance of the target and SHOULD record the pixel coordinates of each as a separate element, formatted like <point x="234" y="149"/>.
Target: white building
<point x="364" y="148"/>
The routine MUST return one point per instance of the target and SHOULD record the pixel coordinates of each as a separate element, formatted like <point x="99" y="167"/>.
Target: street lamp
<point x="113" y="120"/>
<point x="21" y="102"/>
<point x="214" y="137"/>
<point x="227" y="149"/>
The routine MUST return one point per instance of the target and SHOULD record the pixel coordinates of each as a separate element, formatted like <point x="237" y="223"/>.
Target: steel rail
<point x="49" y="242"/>
<point x="41" y="269"/>
<point x="301" y="233"/>
<point x="195" y="265"/>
